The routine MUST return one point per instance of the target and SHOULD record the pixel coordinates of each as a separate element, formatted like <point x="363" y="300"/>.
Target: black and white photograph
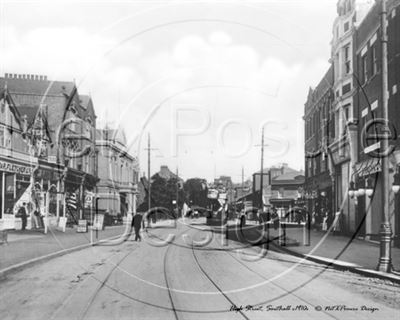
<point x="199" y="159"/>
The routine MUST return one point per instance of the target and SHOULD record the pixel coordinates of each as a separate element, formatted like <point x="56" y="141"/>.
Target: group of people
<point x="322" y="219"/>
<point x="26" y="210"/>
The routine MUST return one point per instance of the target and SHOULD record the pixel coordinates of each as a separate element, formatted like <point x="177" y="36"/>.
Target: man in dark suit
<point x="137" y="225"/>
<point x="23" y="215"/>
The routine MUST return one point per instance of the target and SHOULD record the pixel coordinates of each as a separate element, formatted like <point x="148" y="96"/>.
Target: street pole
<point x="148" y="170"/>
<point x="242" y="180"/>
<point x="385" y="258"/>
<point x="177" y="192"/>
<point x="262" y="170"/>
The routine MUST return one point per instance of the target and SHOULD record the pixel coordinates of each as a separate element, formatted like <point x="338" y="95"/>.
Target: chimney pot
<point x="32" y="76"/>
<point x="45" y="78"/>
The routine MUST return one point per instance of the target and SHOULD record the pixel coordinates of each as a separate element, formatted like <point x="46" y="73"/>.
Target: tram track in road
<point x="232" y="303"/>
<point x="170" y="290"/>
<point x="286" y="292"/>
<point x="290" y="292"/>
<point x="103" y="283"/>
<point x="81" y="283"/>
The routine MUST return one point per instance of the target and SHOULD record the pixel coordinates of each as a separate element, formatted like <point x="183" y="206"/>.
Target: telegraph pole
<point x="385" y="257"/>
<point x="242" y="179"/>
<point x="262" y="170"/>
<point x="177" y="192"/>
<point x="148" y="170"/>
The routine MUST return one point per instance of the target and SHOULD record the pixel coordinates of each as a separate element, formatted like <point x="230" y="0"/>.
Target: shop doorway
<point x="361" y="216"/>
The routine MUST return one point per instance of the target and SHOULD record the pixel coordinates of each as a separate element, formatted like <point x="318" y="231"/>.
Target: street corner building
<point x="48" y="152"/>
<point x="118" y="175"/>
<point x="343" y="169"/>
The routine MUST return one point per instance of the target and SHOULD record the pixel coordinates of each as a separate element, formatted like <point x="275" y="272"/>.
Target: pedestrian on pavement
<point x="319" y="219"/>
<point x="137" y="225"/>
<point x="324" y="216"/>
<point x="330" y="217"/>
<point x="22" y="214"/>
<point x="275" y="218"/>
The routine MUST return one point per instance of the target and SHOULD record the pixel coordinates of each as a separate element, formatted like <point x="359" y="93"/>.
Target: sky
<point x="201" y="78"/>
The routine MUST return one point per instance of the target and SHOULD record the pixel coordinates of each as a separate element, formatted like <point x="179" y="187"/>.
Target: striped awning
<point x="367" y="167"/>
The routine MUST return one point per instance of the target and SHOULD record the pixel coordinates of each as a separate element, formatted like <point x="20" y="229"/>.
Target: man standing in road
<point x="137" y="224"/>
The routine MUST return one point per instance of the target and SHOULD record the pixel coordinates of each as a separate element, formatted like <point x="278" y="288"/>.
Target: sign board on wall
<point x="82" y="226"/>
<point x="15" y="168"/>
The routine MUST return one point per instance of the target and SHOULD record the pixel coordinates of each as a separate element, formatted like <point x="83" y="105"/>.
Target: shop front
<point x="47" y="194"/>
<point x="75" y="184"/>
<point x="15" y="185"/>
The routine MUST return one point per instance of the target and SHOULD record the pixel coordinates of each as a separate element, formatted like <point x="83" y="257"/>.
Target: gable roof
<point x="30" y="93"/>
<point x="4" y="93"/>
<point x="29" y="112"/>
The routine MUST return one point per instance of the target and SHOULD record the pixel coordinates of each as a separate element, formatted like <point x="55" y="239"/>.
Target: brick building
<point x="356" y="92"/>
<point x="51" y="126"/>
<point x="319" y="121"/>
<point x="367" y="107"/>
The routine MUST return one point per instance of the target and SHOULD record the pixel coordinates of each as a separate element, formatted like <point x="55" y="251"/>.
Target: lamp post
<point x="385" y="258"/>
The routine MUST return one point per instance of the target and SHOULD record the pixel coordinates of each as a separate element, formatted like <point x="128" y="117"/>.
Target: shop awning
<point x="367" y="167"/>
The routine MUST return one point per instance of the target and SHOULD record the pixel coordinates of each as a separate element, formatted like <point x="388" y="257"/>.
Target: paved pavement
<point x="190" y="278"/>
<point x="29" y="245"/>
<point x="354" y="254"/>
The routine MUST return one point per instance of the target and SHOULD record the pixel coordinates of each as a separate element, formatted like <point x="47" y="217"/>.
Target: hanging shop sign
<point x="15" y="168"/>
<point x="89" y="199"/>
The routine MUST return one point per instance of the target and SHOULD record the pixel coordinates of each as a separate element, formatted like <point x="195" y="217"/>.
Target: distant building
<point x="282" y="186"/>
<point x="286" y="189"/>
<point x="166" y="174"/>
<point x="269" y="176"/>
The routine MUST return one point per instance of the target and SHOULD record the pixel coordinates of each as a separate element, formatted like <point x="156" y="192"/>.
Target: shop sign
<point x="98" y="223"/>
<point x="82" y="226"/>
<point x="15" y="168"/>
<point x="62" y="224"/>
<point x="89" y="199"/>
<point x="212" y="194"/>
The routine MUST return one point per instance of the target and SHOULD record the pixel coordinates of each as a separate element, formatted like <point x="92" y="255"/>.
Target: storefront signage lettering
<point x="15" y="168"/>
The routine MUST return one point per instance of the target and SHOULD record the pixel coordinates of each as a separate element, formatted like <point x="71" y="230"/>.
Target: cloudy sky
<point x="202" y="77"/>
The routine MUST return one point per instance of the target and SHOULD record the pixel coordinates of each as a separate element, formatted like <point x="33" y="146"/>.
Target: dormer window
<point x="89" y="120"/>
<point x="72" y="108"/>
